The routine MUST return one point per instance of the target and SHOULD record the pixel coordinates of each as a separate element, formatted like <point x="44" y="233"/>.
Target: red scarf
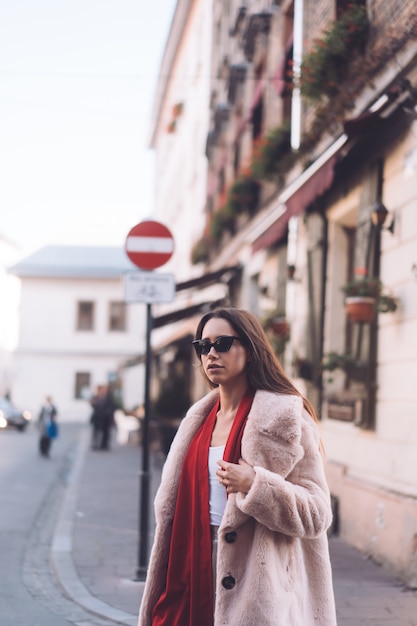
<point x="188" y="596"/>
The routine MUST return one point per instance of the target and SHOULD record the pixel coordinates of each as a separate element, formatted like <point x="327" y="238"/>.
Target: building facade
<point x="311" y="190"/>
<point x="10" y="294"/>
<point x="75" y="329"/>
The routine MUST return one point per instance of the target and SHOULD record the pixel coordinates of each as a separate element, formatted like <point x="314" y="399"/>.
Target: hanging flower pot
<point x="360" y="308"/>
<point x="279" y="326"/>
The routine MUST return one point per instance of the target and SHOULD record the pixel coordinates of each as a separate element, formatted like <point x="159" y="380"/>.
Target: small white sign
<point x="149" y="287"/>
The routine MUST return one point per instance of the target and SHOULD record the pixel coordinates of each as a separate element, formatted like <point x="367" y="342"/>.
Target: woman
<point x="47" y="425"/>
<point x="243" y="541"/>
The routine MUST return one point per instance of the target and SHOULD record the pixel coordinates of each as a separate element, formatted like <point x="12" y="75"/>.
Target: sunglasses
<point x="221" y="344"/>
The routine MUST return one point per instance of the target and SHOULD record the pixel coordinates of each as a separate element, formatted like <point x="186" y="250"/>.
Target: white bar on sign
<point x="150" y="244"/>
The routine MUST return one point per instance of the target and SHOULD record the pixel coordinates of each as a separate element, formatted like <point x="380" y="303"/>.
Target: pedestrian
<point x="47" y="425"/>
<point x="102" y="418"/>
<point x="243" y="506"/>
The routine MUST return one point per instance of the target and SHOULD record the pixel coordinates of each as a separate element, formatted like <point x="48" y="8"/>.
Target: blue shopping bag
<point x="52" y="430"/>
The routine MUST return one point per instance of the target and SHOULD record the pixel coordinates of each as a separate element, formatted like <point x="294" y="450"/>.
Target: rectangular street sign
<point x="149" y="287"/>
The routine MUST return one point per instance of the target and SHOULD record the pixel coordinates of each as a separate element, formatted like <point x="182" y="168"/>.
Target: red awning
<point x="313" y="188"/>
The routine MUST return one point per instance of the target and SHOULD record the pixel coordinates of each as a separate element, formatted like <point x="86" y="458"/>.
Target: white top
<point x="218" y="495"/>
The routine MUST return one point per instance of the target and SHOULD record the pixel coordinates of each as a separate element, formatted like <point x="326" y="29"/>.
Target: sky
<point x="77" y="82"/>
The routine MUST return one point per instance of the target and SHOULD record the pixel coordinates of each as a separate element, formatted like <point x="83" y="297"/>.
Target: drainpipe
<point x="319" y="375"/>
<point x="297" y="58"/>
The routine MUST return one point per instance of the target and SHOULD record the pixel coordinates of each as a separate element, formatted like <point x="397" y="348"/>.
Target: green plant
<point x="171" y="126"/>
<point x="222" y="220"/>
<point x="386" y="304"/>
<point x="272" y="153"/>
<point x="371" y="287"/>
<point x="177" y="109"/>
<point x="277" y="329"/>
<point x="201" y="251"/>
<point x="243" y="195"/>
<point x="335" y="360"/>
<point x="366" y="287"/>
<point x="353" y="368"/>
<point x="324" y="67"/>
<point x="303" y="368"/>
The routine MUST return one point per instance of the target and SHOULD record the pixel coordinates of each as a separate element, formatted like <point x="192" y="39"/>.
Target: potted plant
<point x="325" y="66"/>
<point x="222" y="220"/>
<point x="345" y="362"/>
<point x="364" y="297"/>
<point x="303" y="368"/>
<point x="201" y="251"/>
<point x="276" y="322"/>
<point x="277" y="328"/>
<point x="272" y="154"/>
<point x="243" y="195"/>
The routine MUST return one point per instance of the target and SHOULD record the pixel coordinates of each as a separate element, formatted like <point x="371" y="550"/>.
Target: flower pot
<point x="279" y="326"/>
<point x="303" y="369"/>
<point x="360" y="308"/>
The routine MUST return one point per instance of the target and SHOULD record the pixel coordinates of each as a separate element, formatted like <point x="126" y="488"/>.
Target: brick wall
<point x="391" y="14"/>
<point x="317" y="14"/>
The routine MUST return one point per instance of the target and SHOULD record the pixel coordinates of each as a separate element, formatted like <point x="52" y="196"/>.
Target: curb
<point x="61" y="550"/>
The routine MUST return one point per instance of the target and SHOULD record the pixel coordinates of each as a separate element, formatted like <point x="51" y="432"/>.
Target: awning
<point x="180" y="314"/>
<point x="315" y="187"/>
<point x="183" y="334"/>
<point x="318" y="178"/>
<point x="296" y="198"/>
<point x="224" y="275"/>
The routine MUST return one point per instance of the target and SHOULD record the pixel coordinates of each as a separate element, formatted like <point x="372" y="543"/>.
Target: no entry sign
<point x="149" y="245"/>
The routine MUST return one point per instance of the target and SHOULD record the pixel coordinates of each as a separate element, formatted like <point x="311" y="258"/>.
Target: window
<point x="82" y="385"/>
<point x="343" y="5"/>
<point x="85" y="316"/>
<point x="257" y="119"/>
<point x="351" y="391"/>
<point x="117" y="316"/>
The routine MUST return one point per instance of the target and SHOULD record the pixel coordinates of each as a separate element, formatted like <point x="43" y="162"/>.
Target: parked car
<point x="11" y="417"/>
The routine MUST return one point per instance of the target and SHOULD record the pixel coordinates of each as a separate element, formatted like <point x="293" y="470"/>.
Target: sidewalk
<point x="95" y="548"/>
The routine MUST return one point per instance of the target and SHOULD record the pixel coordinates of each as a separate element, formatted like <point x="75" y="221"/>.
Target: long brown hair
<point x="264" y="371"/>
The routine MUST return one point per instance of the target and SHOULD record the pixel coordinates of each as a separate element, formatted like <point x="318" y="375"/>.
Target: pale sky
<point x="77" y="81"/>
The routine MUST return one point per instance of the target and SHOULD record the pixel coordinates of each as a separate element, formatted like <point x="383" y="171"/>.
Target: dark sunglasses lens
<point x="223" y="344"/>
<point x="201" y="347"/>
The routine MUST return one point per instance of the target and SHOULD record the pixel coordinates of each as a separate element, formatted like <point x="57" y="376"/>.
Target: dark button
<point x="228" y="582"/>
<point x="231" y="537"/>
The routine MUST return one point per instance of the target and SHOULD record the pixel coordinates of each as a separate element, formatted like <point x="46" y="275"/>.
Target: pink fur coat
<point x="273" y="565"/>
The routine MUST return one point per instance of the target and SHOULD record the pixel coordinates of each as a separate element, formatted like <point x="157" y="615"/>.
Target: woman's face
<point x="224" y="368"/>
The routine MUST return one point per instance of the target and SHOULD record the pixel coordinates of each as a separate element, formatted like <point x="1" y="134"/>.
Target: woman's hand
<point x="236" y="476"/>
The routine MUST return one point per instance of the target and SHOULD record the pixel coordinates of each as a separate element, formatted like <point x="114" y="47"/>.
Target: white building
<point x="75" y="329"/>
<point x="10" y="293"/>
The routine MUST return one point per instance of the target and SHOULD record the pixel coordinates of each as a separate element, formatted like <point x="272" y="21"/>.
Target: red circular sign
<point x="149" y="245"/>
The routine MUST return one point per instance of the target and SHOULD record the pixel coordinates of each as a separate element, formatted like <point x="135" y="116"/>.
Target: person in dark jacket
<point x="102" y="418"/>
<point x="47" y="426"/>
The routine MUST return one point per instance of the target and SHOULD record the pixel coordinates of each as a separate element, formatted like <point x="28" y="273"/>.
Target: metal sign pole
<point x="145" y="473"/>
<point x="148" y="245"/>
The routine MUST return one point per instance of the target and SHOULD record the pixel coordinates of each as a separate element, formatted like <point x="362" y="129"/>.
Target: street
<point x="69" y="536"/>
<point x="31" y="490"/>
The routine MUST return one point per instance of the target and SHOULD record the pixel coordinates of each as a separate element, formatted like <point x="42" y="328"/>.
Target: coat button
<point x="231" y="537"/>
<point x="228" y="582"/>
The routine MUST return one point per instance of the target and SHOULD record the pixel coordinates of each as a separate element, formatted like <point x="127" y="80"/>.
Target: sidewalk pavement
<point x="95" y="547"/>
